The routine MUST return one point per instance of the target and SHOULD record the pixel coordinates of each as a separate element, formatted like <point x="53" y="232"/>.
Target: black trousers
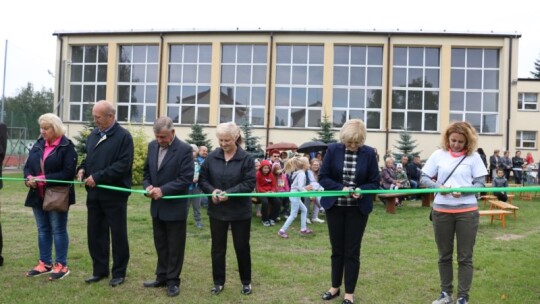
<point x="269" y="208"/>
<point x="108" y="217"/>
<point x="346" y="226"/>
<point x="170" y="242"/>
<point x="240" y="233"/>
<point x="1" y="245"/>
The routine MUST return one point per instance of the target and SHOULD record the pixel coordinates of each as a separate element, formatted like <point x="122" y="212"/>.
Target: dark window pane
<point x="457" y="79"/>
<point x="242" y="97"/>
<point x="173" y="94"/>
<point x="282" y="117"/>
<point x="491" y="102"/>
<point x="373" y="120"/>
<point x="102" y="73"/>
<point x="341" y="75"/>
<point x="74" y="112"/>
<point x="341" y="55"/>
<point x="101" y="92"/>
<point x="103" y="54"/>
<point x="90" y="54"/>
<point x="298" y="97"/>
<point x="416" y="56"/>
<point x="374" y="99"/>
<point x="400" y="56"/>
<point x="491" y="58"/>
<point x="416" y="79"/>
<point x="414" y="121"/>
<point x="374" y="77"/>
<point x="138" y="73"/>
<point x="300" y="54"/>
<point x="188" y="115"/>
<point x="315" y="75"/>
<point x="474" y="101"/>
<point x="491" y="80"/>
<point x="432" y="78"/>
<point x="203" y="115"/>
<point x="77" y="54"/>
<point x="398" y="120"/>
<point x="375" y="55"/>
<point x="314" y="97"/>
<point x="358" y="76"/>
<point x="298" y="118"/>
<point x="257" y="117"/>
<point x="316" y="54"/>
<point x="125" y="55"/>
<point x="150" y="114"/>
<point x="430" y="122"/>
<point x="458" y="58"/>
<point x="122" y="113"/>
<point x="124" y="73"/>
<point x="432" y="57"/>
<point x="87" y="112"/>
<point x="258" y="96"/>
<point x="172" y="112"/>
<point x="151" y="94"/>
<point x="457" y="101"/>
<point x="89" y="93"/>
<point x="339" y="98"/>
<point x="339" y="118"/>
<point x="282" y="97"/>
<point x="357" y="98"/>
<point x="431" y="101"/>
<point x="456" y="117"/>
<point x="188" y="94"/>
<point x="76" y="73"/>
<point x="474" y="79"/>
<point x="399" y="77"/>
<point x="415" y="100"/>
<point x="123" y="94"/>
<point x="75" y="93"/>
<point x="474" y="58"/>
<point x="137" y="94"/>
<point x="225" y="115"/>
<point x="358" y="55"/>
<point x="314" y="118"/>
<point x="474" y="120"/>
<point x="398" y="99"/>
<point x="490" y="123"/>
<point x="203" y="95"/>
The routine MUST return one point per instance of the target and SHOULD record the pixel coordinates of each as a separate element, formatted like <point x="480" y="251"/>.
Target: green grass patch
<point x="398" y="260"/>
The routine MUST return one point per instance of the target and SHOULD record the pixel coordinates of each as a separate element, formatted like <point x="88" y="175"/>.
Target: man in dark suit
<point x="109" y="161"/>
<point x="3" y="147"/>
<point x="168" y="171"/>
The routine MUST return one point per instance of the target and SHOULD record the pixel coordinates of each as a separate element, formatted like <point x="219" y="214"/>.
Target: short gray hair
<point x="163" y="123"/>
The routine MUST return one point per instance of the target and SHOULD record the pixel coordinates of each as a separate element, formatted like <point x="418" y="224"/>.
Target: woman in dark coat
<point x="229" y="169"/>
<point x="56" y="154"/>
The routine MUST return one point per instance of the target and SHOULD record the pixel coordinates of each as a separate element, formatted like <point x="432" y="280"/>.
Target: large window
<point x="299" y="77"/>
<point x="526" y="139"/>
<point x="88" y="80"/>
<point x="527" y="101"/>
<point x="137" y="83"/>
<point x="188" y="94"/>
<point x="415" y="88"/>
<point x="474" y="88"/>
<point x="357" y="91"/>
<point x="243" y="83"/>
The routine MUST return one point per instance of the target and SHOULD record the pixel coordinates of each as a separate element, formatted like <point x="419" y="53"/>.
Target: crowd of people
<point x="176" y="168"/>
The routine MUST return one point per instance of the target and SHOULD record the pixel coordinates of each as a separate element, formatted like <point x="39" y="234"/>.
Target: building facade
<point x="286" y="82"/>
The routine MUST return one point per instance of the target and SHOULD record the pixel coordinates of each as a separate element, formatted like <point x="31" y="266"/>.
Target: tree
<point x="252" y="142"/>
<point x="326" y="134"/>
<point x="406" y="145"/>
<point x="536" y="72"/>
<point x="198" y="137"/>
<point x="24" y="109"/>
<point x="80" y="145"/>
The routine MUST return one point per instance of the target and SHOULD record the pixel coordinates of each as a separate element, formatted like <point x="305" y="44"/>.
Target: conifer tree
<point x="80" y="146"/>
<point x="405" y="146"/>
<point x="536" y="72"/>
<point x="325" y="134"/>
<point x="198" y="137"/>
<point x="251" y="142"/>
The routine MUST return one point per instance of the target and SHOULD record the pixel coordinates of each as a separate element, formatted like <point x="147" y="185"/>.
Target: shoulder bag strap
<point x="454" y="170"/>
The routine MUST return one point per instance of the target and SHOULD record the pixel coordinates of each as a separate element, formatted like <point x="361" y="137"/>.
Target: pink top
<point x="48" y="149"/>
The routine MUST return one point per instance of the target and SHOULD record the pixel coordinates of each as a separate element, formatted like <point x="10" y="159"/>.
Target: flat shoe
<point x="329" y="296"/>
<point x="246" y="289"/>
<point x="346" y="302"/>
<point x="217" y="289"/>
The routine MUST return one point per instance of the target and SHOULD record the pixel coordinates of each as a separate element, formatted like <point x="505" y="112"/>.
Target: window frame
<point x="520" y="140"/>
<point x="523" y="102"/>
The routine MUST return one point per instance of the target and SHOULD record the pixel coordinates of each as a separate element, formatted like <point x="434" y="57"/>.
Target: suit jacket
<point x="366" y="175"/>
<point x="174" y="177"/>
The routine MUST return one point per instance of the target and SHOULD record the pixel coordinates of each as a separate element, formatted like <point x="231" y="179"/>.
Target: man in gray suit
<point x="168" y="171"/>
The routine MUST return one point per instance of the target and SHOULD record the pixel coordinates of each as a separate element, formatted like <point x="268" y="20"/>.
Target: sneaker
<point x="308" y="221"/>
<point x="40" y="269"/>
<point x="278" y="219"/>
<point x="306" y="231"/>
<point x="444" y="298"/>
<point x="283" y="234"/>
<point x="59" y="272"/>
<point x="317" y="220"/>
<point x="462" y="300"/>
<point x="266" y="224"/>
<point x="272" y="222"/>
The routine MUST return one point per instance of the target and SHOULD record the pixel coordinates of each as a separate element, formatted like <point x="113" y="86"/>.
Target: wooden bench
<point x="501" y="214"/>
<point x="389" y="200"/>
<point x="486" y="198"/>
<point x="494" y="204"/>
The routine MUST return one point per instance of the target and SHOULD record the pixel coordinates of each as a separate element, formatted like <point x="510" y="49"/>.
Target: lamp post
<point x="4" y="84"/>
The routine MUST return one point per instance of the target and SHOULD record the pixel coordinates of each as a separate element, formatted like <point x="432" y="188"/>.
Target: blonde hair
<point x="293" y="164"/>
<point x="353" y="130"/>
<point x="54" y="121"/>
<point x="464" y="128"/>
<point x="229" y="129"/>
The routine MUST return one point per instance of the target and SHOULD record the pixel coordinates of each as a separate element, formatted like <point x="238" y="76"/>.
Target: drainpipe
<point x="60" y="76"/>
<point x="269" y="99"/>
<point x="160" y="68"/>
<point x="509" y="85"/>
<point x="388" y="89"/>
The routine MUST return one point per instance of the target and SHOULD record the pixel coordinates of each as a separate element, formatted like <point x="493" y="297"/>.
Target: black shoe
<point x="1" y="261"/>
<point x="116" y="281"/>
<point x="95" y="279"/>
<point x="173" y="291"/>
<point x="346" y="302"/>
<point x="217" y="289"/>
<point x="329" y="296"/>
<point x="246" y="289"/>
<point x="155" y="284"/>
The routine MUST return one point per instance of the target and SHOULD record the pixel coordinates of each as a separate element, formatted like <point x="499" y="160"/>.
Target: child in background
<point x="282" y="185"/>
<point x="313" y="175"/>
<point x="401" y="176"/>
<point x="296" y="168"/>
<point x="266" y="183"/>
<point x="498" y="182"/>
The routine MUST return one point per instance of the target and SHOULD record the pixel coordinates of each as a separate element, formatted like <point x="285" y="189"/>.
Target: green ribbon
<point x="307" y="193"/>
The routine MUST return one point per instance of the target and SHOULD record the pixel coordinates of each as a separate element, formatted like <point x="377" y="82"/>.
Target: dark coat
<point x="59" y="165"/>
<point x="234" y="176"/>
<point x="3" y="148"/>
<point x="174" y="177"/>
<point x="109" y="162"/>
<point x="366" y="175"/>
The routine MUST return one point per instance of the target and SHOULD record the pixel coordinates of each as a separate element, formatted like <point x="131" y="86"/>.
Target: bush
<point x="140" y="146"/>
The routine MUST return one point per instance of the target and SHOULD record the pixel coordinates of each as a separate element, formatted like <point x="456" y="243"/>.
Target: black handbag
<point x="431" y="211"/>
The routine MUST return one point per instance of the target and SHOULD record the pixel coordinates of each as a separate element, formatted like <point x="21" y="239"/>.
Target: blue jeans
<point x="295" y="204"/>
<point x="52" y="226"/>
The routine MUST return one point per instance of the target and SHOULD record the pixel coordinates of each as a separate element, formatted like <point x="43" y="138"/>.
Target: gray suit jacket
<point x="173" y="177"/>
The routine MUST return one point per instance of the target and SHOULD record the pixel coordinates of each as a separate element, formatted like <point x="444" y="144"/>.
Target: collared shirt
<point x="349" y="170"/>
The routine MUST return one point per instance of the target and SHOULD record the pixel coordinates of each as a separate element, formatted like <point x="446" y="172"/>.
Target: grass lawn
<point x="398" y="259"/>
